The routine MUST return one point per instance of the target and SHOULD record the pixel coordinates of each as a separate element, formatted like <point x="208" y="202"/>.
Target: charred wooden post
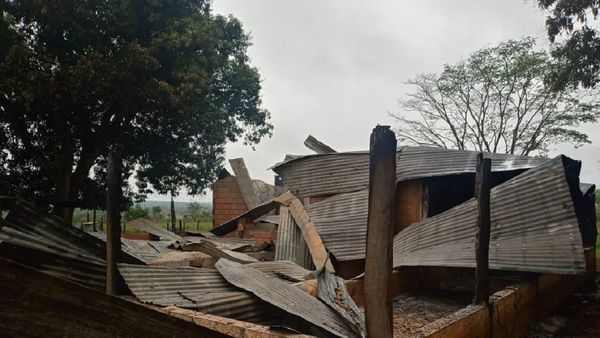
<point x="113" y="221"/>
<point x="378" y="262"/>
<point x="94" y="220"/>
<point x="180" y="226"/>
<point x="483" y="184"/>
<point x="173" y="222"/>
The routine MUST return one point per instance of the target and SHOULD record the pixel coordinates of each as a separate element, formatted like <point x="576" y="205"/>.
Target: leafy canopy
<point x="167" y="81"/>
<point x="579" y="51"/>
<point x="497" y="100"/>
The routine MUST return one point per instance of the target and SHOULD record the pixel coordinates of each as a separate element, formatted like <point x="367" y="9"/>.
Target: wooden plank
<point x="309" y="231"/>
<point x="317" y="146"/>
<point x="380" y="227"/>
<point x="244" y="182"/>
<point x="483" y="185"/>
<point x="284" y="296"/>
<point x="34" y="304"/>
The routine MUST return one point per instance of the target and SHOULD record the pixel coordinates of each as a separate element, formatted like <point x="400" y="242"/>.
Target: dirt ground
<point x="413" y="311"/>
<point x="578" y="316"/>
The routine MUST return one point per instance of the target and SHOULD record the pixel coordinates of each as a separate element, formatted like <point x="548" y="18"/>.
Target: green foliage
<point x="167" y="81"/>
<point x="497" y="100"/>
<point x="579" y="52"/>
<point x="137" y="211"/>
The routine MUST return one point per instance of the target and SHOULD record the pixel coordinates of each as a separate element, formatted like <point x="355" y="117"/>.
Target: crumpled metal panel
<point x="342" y="223"/>
<point x="285" y="297"/>
<point x="205" y="290"/>
<point x="324" y="174"/>
<point x="534" y="227"/>
<point x="290" y="244"/>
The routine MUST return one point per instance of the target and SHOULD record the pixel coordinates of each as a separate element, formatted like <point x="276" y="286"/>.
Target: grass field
<point x="204" y="225"/>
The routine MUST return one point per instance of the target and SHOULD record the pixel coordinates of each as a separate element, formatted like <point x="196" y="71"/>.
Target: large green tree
<point x="571" y="25"/>
<point x="497" y="100"/>
<point x="166" y="80"/>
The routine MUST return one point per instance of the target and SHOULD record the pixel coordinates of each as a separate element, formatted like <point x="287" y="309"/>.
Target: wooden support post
<point x="378" y="262"/>
<point x="113" y="221"/>
<point x="483" y="183"/>
<point x="94" y="220"/>
<point x="198" y="225"/>
<point x="180" y="226"/>
<point x="173" y="224"/>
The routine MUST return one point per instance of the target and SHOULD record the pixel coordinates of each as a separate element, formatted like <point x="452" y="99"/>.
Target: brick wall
<point x="227" y="200"/>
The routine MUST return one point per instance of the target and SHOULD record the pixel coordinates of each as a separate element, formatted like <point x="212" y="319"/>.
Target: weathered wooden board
<point x="317" y="146"/>
<point x="244" y="182"/>
<point x="284" y="296"/>
<point x="309" y="231"/>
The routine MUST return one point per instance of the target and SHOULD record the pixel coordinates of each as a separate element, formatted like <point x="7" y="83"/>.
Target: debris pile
<point x="289" y="258"/>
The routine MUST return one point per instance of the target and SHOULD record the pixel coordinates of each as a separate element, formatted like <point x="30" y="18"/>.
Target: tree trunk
<point x="62" y="183"/>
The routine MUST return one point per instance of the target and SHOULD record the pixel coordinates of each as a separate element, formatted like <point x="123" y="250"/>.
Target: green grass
<point x="204" y="225"/>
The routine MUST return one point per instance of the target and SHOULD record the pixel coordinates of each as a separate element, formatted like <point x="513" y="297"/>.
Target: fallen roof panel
<point x="24" y="217"/>
<point x="284" y="296"/>
<point x="34" y="304"/>
<point x="204" y="289"/>
<point x="534" y="227"/>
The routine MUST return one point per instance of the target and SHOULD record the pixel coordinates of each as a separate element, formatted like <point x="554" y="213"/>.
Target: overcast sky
<point x="334" y="69"/>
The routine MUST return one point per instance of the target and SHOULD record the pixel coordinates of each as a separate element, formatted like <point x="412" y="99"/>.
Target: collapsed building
<point x="288" y="258"/>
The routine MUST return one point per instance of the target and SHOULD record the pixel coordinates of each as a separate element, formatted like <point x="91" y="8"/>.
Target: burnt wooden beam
<point x="113" y="221"/>
<point x="378" y="262"/>
<point x="483" y="185"/>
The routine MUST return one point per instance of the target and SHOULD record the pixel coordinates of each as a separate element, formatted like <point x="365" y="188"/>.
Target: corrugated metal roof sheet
<point x="290" y="243"/>
<point x="534" y="227"/>
<point x="285" y="297"/>
<point x="342" y="223"/>
<point x="323" y="174"/>
<point x="204" y="289"/>
<point x="24" y="217"/>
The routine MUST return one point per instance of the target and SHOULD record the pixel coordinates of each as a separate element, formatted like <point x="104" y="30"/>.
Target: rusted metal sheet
<point x="34" y="304"/>
<point x="284" y="296"/>
<point x="323" y="174"/>
<point x="534" y="226"/>
<point x="342" y="223"/>
<point x="204" y="289"/>
<point x="290" y="244"/>
<point x="331" y="289"/>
